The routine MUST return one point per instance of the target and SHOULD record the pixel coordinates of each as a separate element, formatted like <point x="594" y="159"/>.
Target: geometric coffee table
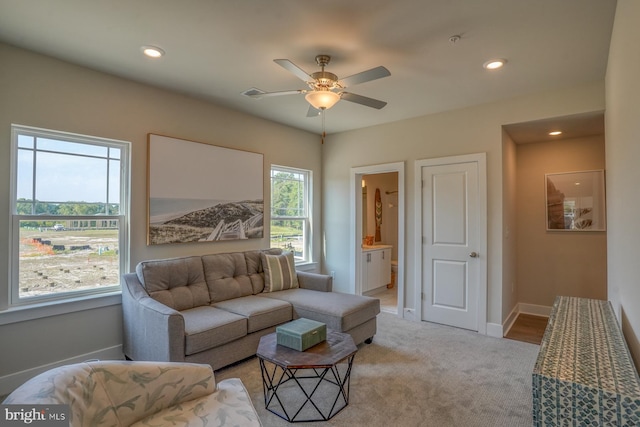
<point x="306" y="386"/>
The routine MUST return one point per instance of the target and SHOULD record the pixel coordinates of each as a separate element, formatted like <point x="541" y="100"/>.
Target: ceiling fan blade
<point x="313" y="112"/>
<point x="259" y="93"/>
<point x="359" y="99"/>
<point x="365" y="76"/>
<point x="293" y="68"/>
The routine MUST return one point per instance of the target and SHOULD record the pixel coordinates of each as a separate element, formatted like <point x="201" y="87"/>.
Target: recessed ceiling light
<point x="555" y="133"/>
<point x="152" y="51"/>
<point x="494" y="64"/>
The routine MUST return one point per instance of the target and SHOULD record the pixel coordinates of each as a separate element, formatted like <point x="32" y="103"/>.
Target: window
<point x="290" y="212"/>
<point x="69" y="227"/>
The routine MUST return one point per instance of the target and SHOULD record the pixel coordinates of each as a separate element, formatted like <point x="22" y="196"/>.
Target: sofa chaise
<point x="214" y="308"/>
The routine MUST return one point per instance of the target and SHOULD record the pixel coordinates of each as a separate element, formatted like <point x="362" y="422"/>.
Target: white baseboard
<point x="536" y="310"/>
<point x="511" y="318"/>
<point x="494" y="330"/>
<point x="10" y="382"/>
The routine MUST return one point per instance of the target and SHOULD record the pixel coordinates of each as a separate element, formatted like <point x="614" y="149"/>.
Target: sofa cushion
<point x="209" y="327"/>
<point x="178" y="283"/>
<point x="279" y="272"/>
<point x="340" y="312"/>
<point x="226" y="276"/>
<point x="254" y="267"/>
<point x="229" y="405"/>
<point x="261" y="313"/>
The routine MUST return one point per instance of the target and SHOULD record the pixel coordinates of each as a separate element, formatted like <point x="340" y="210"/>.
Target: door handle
<point x="473" y="254"/>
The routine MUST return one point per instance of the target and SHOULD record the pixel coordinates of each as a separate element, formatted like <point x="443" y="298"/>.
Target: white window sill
<point x="55" y="308"/>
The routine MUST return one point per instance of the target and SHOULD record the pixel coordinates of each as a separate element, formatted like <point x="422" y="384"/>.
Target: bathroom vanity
<point x="376" y="268"/>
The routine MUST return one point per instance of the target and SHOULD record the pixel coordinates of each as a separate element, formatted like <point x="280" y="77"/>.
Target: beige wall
<point x="471" y="130"/>
<point x="43" y="92"/>
<point x="551" y="263"/>
<point x="623" y="173"/>
<point x="509" y="225"/>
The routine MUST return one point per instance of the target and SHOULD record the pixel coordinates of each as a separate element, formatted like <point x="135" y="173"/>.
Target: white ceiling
<point x="216" y="49"/>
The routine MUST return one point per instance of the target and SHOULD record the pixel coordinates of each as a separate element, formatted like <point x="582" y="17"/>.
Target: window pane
<point x="71" y="147"/>
<point x="25" y="175"/>
<point x="114" y="153"/>
<point x="114" y="182"/>
<point x="25" y="141"/>
<point x="288" y="235"/>
<point x="70" y="178"/>
<point x="65" y="256"/>
<point x="287" y="194"/>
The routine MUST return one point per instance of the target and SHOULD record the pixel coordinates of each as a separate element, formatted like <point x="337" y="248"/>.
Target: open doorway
<point x="377" y="234"/>
<point x="380" y="238"/>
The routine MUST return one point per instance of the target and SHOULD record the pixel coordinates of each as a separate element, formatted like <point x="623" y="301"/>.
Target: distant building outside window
<point x="69" y="228"/>
<point x="290" y="211"/>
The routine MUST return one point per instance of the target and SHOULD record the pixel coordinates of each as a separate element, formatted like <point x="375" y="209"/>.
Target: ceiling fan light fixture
<point x="322" y="99"/>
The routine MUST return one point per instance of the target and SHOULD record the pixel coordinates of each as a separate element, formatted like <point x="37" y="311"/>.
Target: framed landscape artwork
<point x="575" y="201"/>
<point x="201" y="193"/>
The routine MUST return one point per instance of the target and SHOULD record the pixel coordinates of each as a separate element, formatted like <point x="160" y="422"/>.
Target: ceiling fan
<point x="325" y="88"/>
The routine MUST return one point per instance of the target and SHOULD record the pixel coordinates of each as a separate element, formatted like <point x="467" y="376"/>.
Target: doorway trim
<point x="355" y="225"/>
<point x="481" y="160"/>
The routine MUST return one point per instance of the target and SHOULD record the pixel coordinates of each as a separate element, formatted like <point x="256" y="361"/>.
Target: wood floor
<point x="528" y="328"/>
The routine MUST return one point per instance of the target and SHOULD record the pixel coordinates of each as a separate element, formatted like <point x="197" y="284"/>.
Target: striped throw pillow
<point x="279" y="272"/>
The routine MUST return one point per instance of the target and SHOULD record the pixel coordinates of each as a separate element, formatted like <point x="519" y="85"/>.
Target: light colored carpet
<point x="423" y="374"/>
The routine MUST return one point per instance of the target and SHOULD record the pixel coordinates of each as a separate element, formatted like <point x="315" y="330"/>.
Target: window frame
<point x="123" y="218"/>
<point x="307" y="257"/>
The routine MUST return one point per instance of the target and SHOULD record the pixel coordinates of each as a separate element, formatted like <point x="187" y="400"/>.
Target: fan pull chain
<point x="323" y="132"/>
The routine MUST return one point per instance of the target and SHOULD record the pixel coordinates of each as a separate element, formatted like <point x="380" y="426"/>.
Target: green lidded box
<point x="301" y="334"/>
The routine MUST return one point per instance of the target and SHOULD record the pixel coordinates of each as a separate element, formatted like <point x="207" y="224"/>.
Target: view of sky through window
<point x="67" y="171"/>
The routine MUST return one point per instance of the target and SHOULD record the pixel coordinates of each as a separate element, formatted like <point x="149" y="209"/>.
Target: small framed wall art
<point x="576" y="201"/>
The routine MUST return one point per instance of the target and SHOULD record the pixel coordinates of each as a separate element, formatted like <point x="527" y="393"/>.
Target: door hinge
<point x="422" y="297"/>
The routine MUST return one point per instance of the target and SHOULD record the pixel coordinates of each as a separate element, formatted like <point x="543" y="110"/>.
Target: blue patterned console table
<point x="584" y="375"/>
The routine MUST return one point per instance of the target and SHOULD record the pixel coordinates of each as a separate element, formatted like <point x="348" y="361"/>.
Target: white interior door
<point x="452" y="247"/>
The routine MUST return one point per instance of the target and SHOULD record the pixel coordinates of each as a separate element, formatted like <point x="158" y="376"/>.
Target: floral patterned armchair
<point x="122" y="393"/>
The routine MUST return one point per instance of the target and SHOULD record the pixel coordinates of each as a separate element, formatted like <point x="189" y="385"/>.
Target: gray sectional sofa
<point x="214" y="308"/>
